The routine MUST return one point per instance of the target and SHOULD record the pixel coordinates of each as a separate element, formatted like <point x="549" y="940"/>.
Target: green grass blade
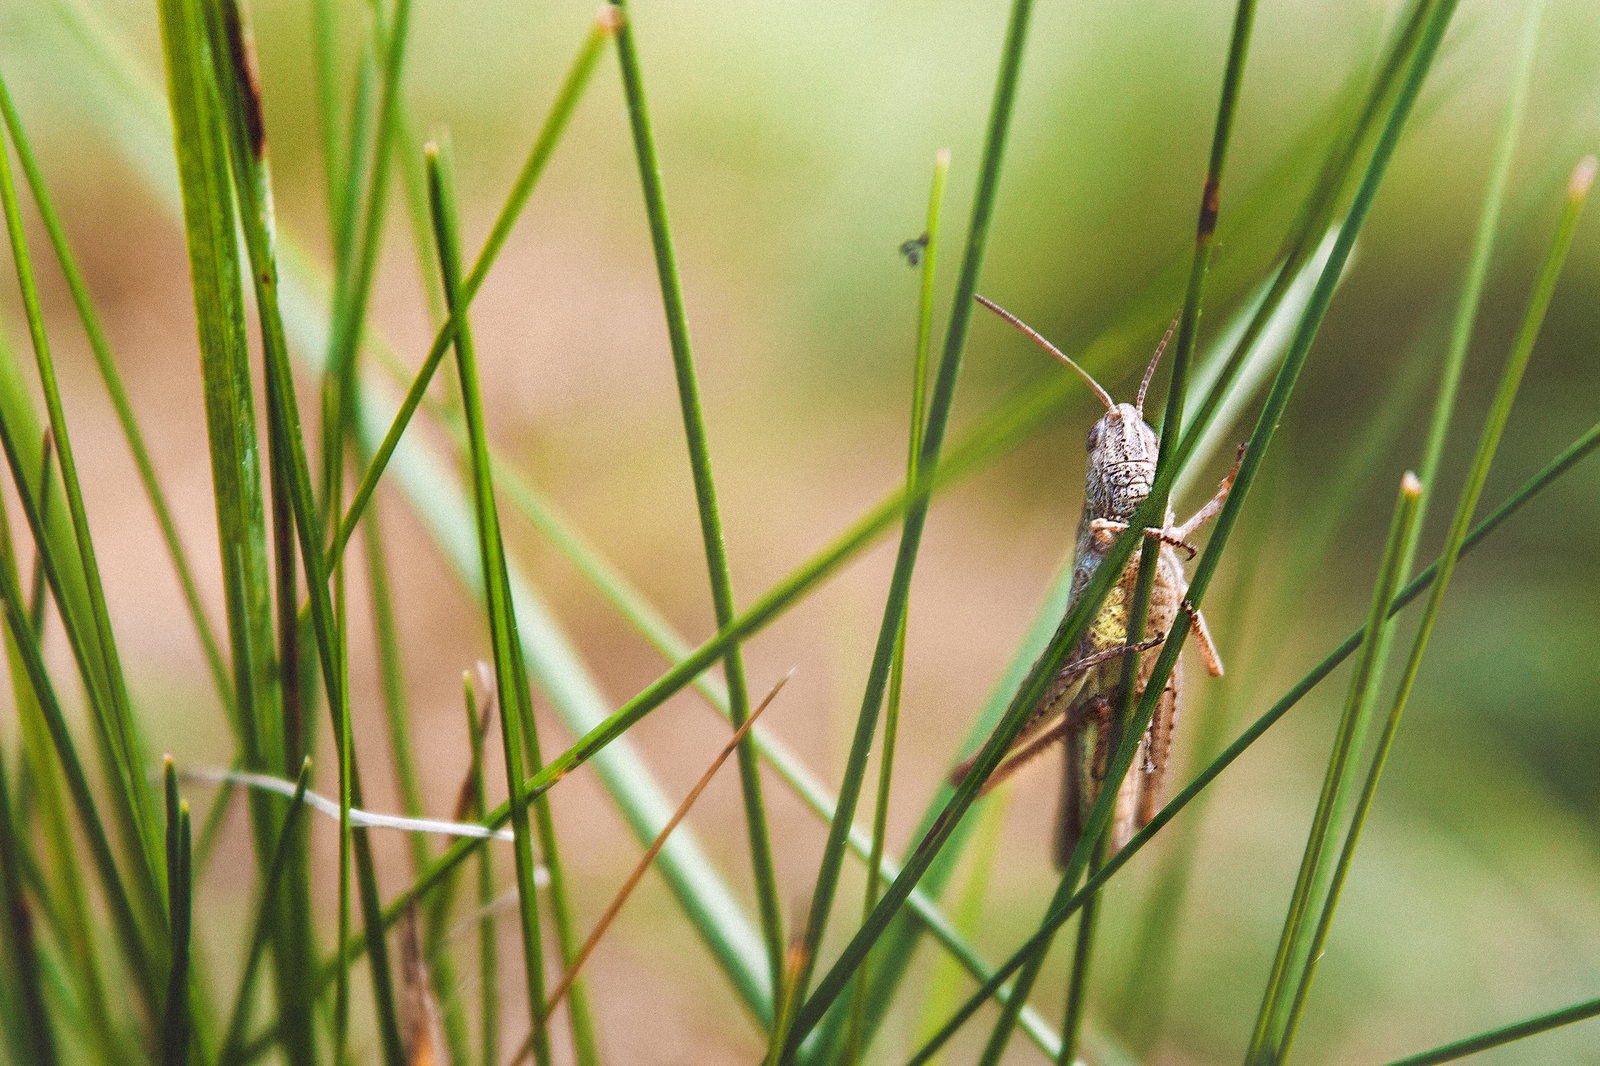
<point x="93" y="642"/>
<point x="937" y="421"/>
<point x="30" y="1031"/>
<point x="175" y="1023"/>
<point x="929" y="249"/>
<point x="324" y="63"/>
<point x="112" y="378"/>
<point x="1338" y="782"/>
<point x="282" y="852"/>
<point x="502" y="616"/>
<point x="230" y="418"/>
<point x="1488" y="444"/>
<point x="544" y="145"/>
<point x="488" y="941"/>
<point x="705" y="491"/>
<point x="1482" y="248"/>
<point x="586" y="1045"/>
<point x="1504" y="1035"/>
<point x="357" y="257"/>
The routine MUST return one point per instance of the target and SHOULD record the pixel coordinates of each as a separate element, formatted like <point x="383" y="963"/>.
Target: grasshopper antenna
<point x="1104" y="396"/>
<point x="1150" y="371"/>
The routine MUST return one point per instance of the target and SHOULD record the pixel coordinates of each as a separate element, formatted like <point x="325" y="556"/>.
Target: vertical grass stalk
<point x="704" y="489"/>
<point x="544" y="145"/>
<point x="1337" y="782"/>
<point x="929" y="249"/>
<point x="502" y="621"/>
<point x="915" y="518"/>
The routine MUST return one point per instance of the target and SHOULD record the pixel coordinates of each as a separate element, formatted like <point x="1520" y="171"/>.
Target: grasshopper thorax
<point x="1122" y="464"/>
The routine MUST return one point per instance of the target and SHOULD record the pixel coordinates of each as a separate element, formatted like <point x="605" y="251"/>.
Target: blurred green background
<point x="796" y="146"/>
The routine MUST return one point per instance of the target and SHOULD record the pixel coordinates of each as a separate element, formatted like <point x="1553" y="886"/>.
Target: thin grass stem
<point x="927" y="250"/>
<point x="1338" y="781"/>
<point x="1488" y="444"/>
<point x="282" y="851"/>
<point x="937" y="421"/>
<point x="502" y="620"/>
<point x="544" y="145"/>
<point x="1504" y="1035"/>
<point x="755" y="808"/>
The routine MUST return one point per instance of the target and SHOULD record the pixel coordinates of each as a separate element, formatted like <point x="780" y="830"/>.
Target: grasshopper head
<point x="1122" y="463"/>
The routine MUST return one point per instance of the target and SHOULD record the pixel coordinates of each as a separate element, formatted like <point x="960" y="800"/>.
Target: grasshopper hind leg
<point x="1080" y="781"/>
<point x="1069" y="823"/>
<point x="1139" y="795"/>
<point x="1157" y="752"/>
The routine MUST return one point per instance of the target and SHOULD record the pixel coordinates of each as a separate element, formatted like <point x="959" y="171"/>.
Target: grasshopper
<point x="1079" y="707"/>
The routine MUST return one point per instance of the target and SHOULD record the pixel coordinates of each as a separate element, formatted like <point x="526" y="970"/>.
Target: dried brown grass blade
<point x="639" y="871"/>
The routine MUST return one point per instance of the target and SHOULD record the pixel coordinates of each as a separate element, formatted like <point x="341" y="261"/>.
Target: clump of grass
<point x="77" y="860"/>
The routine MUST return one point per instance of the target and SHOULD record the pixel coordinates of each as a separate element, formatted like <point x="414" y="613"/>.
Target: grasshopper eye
<point x="1094" y="436"/>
